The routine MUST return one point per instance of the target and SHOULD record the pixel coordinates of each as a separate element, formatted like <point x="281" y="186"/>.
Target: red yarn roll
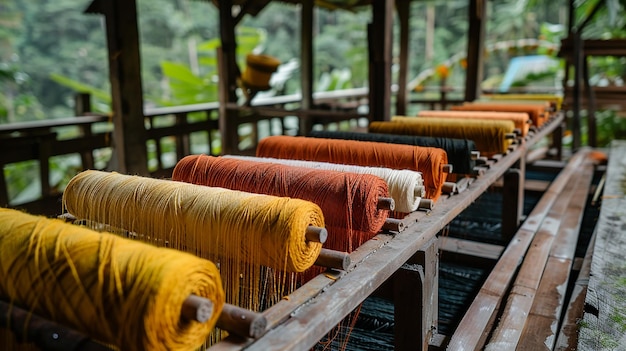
<point x="348" y="200"/>
<point x="427" y="160"/>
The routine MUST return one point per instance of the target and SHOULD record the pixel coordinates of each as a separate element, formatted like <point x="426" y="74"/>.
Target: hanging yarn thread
<point x="490" y="137"/>
<point x="117" y="291"/>
<point x="538" y="114"/>
<point x="405" y="187"/>
<point x="239" y="231"/>
<point x="521" y="119"/>
<point x="349" y="201"/>
<point x="429" y="161"/>
<point x="459" y="151"/>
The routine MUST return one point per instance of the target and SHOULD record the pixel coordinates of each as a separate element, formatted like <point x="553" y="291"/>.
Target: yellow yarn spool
<point x="489" y="136"/>
<point x="258" y="71"/>
<point x="213" y="223"/>
<point x="118" y="291"/>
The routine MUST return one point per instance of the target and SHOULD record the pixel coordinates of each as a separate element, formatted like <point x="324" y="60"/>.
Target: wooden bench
<point x="519" y="305"/>
<point x="603" y="325"/>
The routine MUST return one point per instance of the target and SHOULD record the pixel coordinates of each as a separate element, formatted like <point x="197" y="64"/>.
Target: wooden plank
<point x="568" y="334"/>
<point x="540" y="330"/>
<point x="476" y="323"/>
<point x="519" y="302"/>
<point x="470" y="248"/>
<point x="604" y="322"/>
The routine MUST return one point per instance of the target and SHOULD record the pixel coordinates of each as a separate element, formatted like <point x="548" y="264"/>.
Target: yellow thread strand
<point x="115" y="290"/>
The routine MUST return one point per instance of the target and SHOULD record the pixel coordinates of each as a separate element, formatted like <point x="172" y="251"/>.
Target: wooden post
<point x="82" y="106"/>
<point x="380" y="45"/>
<point x="227" y="63"/>
<point x="416" y="286"/>
<point x="129" y="135"/>
<point x="475" y="47"/>
<point x="403" y="8"/>
<point x="306" y="67"/>
<point x="513" y="199"/>
<point x="577" y="96"/>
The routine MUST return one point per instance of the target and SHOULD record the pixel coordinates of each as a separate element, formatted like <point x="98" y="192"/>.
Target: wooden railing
<point x="172" y="133"/>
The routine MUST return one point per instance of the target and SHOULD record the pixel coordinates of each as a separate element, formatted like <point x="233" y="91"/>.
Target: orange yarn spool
<point x="489" y="136"/>
<point x="521" y="119"/>
<point x="429" y="161"/>
<point x="348" y="200"/>
<point x="538" y="114"/>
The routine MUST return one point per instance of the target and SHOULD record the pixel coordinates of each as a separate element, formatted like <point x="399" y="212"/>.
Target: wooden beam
<point x="229" y="72"/>
<point x="415" y="295"/>
<point x="475" y="47"/>
<point x="470" y="248"/>
<point x="539" y="330"/>
<point x="513" y="199"/>
<point x="604" y="320"/>
<point x="478" y="320"/>
<point x="307" y="59"/>
<point x="403" y="7"/>
<point x="380" y="47"/>
<point x="129" y="135"/>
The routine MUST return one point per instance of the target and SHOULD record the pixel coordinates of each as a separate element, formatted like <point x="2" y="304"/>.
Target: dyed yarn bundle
<point x="459" y="151"/>
<point x="117" y="291"/>
<point x="211" y="222"/>
<point x="489" y="136"/>
<point x="429" y="161"/>
<point x="555" y="101"/>
<point x="521" y="119"/>
<point x="538" y="113"/>
<point x="406" y="187"/>
<point x="348" y="201"/>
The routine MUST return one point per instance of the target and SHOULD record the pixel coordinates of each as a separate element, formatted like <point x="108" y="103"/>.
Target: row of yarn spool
<point x="251" y="238"/>
<point x="492" y="125"/>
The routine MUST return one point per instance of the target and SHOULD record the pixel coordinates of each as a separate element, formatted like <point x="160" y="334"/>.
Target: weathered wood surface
<point x="540" y="329"/>
<point x="604" y="322"/>
<point x="475" y="326"/>
<point x="568" y="334"/>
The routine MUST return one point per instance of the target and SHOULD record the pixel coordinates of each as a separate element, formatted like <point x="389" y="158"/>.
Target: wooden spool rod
<point x="393" y="224"/>
<point x="242" y="322"/>
<point x="474" y="155"/>
<point x="333" y="259"/>
<point x="316" y="234"/>
<point x="447" y="168"/>
<point x="386" y="203"/>
<point x="426" y="204"/>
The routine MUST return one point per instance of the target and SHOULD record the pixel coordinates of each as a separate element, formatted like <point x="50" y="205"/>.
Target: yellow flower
<point x="442" y="71"/>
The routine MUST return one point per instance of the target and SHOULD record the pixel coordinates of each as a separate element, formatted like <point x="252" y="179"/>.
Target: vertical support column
<point x="380" y="45"/>
<point x="129" y="135"/>
<point x="513" y="198"/>
<point x="227" y="64"/>
<point x="577" y="96"/>
<point x="306" y="67"/>
<point x="403" y="8"/>
<point x="416" y="286"/>
<point x="82" y="106"/>
<point x="475" y="47"/>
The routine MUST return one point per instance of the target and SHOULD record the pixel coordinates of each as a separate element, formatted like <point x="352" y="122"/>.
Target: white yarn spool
<point x="406" y="187"/>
